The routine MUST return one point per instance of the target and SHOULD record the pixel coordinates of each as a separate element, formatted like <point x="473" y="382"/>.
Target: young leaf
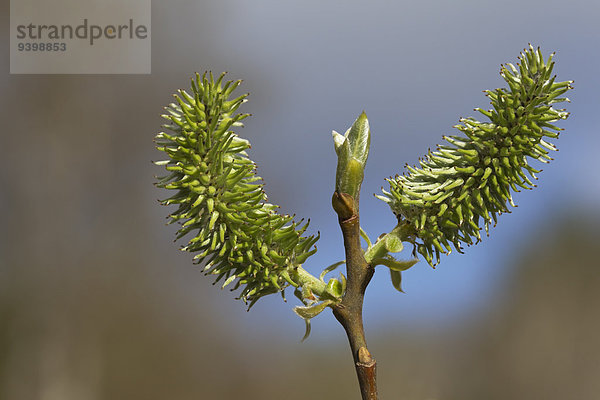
<point x="396" y="279"/>
<point x="309" y="312"/>
<point x="393" y="264"/>
<point x="393" y="243"/>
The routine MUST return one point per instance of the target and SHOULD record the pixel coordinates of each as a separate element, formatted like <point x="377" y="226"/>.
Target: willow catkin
<point x="220" y="200"/>
<point x="468" y="181"/>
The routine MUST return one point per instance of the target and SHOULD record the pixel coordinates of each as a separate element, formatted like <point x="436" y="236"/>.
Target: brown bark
<point x="349" y="311"/>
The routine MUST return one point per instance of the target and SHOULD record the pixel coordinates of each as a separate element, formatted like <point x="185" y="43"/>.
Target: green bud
<point x="352" y="150"/>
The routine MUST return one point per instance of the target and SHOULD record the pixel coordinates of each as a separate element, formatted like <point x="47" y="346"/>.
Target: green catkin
<point x="220" y="199"/>
<point x="468" y="181"/>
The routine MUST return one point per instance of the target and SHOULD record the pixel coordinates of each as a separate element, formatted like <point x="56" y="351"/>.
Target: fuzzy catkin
<point x="468" y="180"/>
<point x="220" y="199"/>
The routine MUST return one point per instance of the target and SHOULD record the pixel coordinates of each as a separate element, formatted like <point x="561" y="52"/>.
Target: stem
<point x="349" y="311"/>
<point x="304" y="279"/>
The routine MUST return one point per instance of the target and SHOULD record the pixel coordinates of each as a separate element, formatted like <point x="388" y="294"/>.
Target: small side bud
<point x="364" y="356"/>
<point x="343" y="204"/>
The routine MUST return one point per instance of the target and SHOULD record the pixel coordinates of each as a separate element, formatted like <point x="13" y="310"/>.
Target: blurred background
<point x="97" y="302"/>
